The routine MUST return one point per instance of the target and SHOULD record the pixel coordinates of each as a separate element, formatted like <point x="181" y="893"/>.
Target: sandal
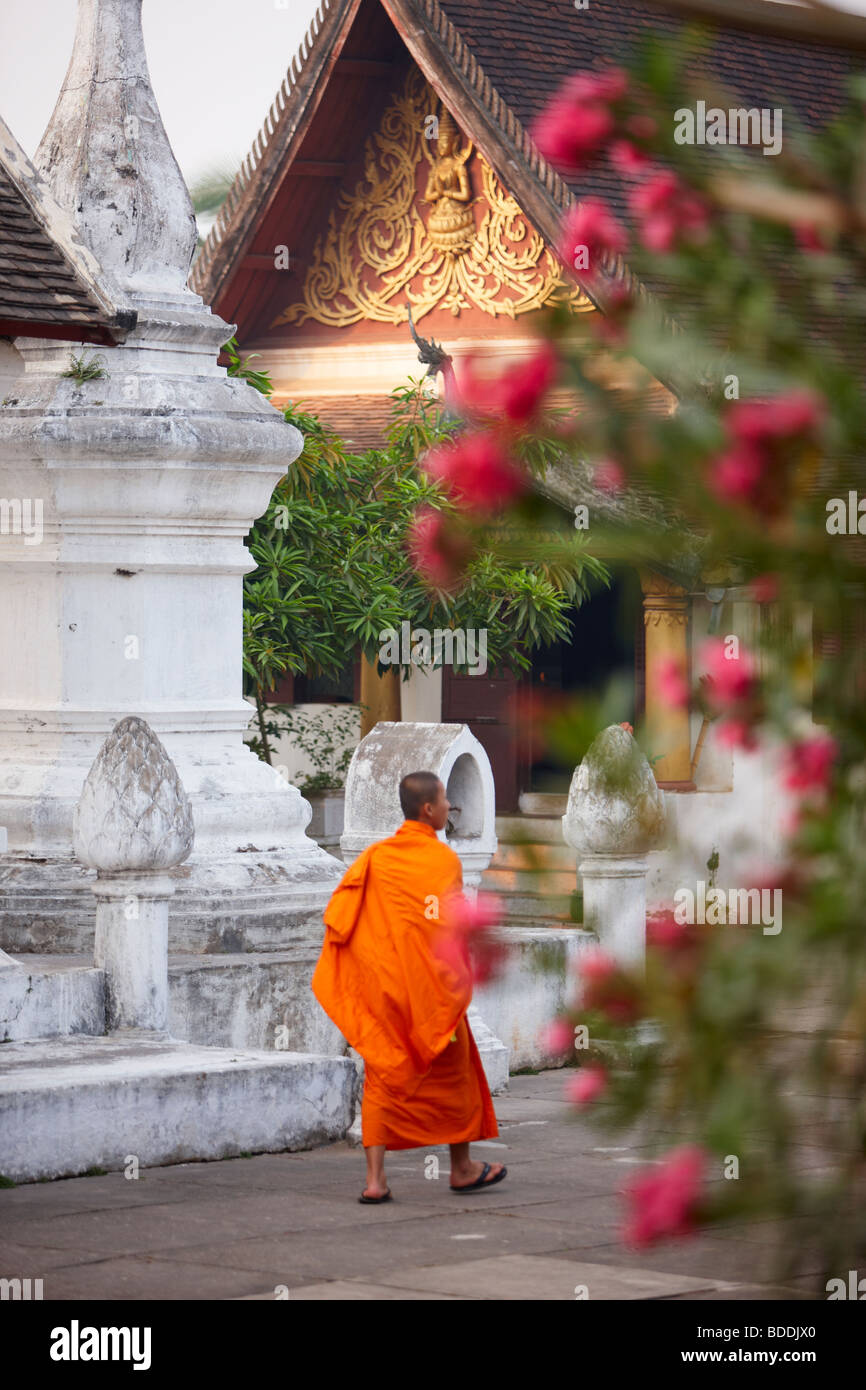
<point x="481" y="1180"/>
<point x="375" y="1201"/>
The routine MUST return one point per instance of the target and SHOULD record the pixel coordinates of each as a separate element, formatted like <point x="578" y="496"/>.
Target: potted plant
<point x="328" y="738"/>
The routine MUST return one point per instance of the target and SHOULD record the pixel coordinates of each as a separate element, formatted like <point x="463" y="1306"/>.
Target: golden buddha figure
<point x="451" y="226"/>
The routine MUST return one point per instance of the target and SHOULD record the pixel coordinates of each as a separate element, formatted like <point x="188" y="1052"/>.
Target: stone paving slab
<point x="360" y="1250"/>
<point x="239" y="1228"/>
<point x="519" y="1277"/>
<point x="705" y="1256"/>
<point x="749" y="1293"/>
<point x="351" y="1291"/>
<point x="130" y="1278"/>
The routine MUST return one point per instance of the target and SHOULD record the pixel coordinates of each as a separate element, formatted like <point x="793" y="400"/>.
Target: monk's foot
<point x="465" y="1177"/>
<point x="375" y="1189"/>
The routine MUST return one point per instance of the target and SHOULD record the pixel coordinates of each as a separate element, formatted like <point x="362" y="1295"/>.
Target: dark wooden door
<point x="487" y="704"/>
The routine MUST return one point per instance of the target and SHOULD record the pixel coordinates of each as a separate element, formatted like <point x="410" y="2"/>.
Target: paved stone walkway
<point x="244" y="1228"/>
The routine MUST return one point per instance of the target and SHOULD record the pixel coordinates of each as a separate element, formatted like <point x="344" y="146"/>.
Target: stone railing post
<point x="615" y="815"/>
<point x="133" y="824"/>
<point x="6" y="962"/>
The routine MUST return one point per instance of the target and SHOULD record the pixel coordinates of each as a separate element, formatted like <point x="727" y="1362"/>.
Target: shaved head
<point x="416" y="790"/>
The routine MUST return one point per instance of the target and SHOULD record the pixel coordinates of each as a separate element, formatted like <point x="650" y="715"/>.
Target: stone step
<point x="534" y="857"/>
<point x="542" y="883"/>
<point x="67" y="1105"/>
<point x="50" y="996"/>
<point x="533" y="830"/>
<point x="251" y="999"/>
<point x="528" y="908"/>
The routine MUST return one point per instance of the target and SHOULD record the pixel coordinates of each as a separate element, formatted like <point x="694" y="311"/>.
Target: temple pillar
<point x="666" y="623"/>
<point x="380" y="696"/>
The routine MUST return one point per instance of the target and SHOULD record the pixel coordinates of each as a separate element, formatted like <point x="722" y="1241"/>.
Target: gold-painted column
<point x="666" y="624"/>
<point x="380" y="695"/>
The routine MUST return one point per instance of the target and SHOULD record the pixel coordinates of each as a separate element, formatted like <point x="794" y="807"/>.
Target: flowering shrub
<point x="758" y="337"/>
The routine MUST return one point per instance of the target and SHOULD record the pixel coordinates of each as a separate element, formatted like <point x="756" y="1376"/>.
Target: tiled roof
<point x="49" y="281"/>
<point x="528" y="49"/>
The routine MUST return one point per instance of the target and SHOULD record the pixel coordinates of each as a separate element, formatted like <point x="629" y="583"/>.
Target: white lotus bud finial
<point x="615" y="805"/>
<point x="133" y="814"/>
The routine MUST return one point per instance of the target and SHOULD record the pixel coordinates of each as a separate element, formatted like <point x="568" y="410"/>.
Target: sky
<point x="215" y="67"/>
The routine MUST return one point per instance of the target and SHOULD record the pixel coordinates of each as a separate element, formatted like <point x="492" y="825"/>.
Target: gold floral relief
<point x="381" y="249"/>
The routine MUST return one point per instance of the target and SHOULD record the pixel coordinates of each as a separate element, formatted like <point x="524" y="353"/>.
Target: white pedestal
<point x="614" y="904"/>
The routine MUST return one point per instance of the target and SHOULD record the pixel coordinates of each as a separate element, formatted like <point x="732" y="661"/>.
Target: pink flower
<point x="754" y="469"/>
<point x="764" y="588"/>
<point x="436" y="551"/>
<point x="571" y="131"/>
<point x="524" y="386"/>
<point x="671" y="683"/>
<point x="730" y="687"/>
<point x="627" y="158"/>
<point x="737" y="733"/>
<point x="608" y="84"/>
<point x="760" y="422"/>
<point x="607" y="988"/>
<point x="515" y="394"/>
<point x="571" y="135"/>
<point x="475" y="915"/>
<point x="590" y="234"/>
<point x="477" y="471"/>
<point x="809" y="238"/>
<point x="595" y="964"/>
<point x="587" y="1085"/>
<point x="668" y="212"/>
<point x="808" y="764"/>
<point x="731" y="677"/>
<point x="666" y="933"/>
<point x="664" y="1200"/>
<point x="736" y="475"/>
<point x="557" y="1037"/>
<point x="658" y="194"/>
<point x="609" y="476"/>
<point x="473" y="923"/>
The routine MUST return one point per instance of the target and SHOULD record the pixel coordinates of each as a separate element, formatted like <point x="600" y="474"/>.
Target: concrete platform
<point x="51" y="996"/>
<point x="537" y="983"/>
<point x="69" y="1105"/>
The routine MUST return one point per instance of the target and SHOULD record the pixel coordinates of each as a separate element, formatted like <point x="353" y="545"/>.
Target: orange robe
<point x="392" y="981"/>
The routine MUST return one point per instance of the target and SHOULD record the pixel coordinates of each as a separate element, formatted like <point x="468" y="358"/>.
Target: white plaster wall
<point x="421" y="696"/>
<point x="10" y="367"/>
<point x="286" y="752"/>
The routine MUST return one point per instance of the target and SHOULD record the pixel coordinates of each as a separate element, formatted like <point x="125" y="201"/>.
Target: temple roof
<point x="494" y="64"/>
<point x="50" y="283"/>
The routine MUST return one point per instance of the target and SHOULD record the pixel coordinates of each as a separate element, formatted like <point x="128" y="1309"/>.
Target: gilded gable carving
<point x="384" y="245"/>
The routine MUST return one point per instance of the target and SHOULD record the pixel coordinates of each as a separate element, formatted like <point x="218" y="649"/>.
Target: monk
<point x="396" y="985"/>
